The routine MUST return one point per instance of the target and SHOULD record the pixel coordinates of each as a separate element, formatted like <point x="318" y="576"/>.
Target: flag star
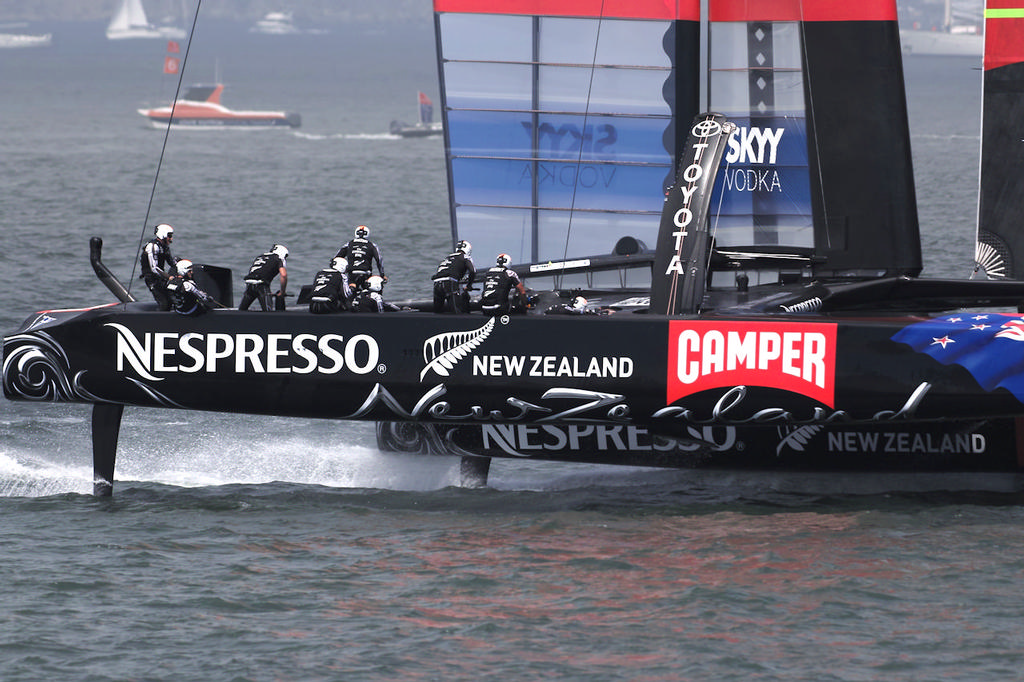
<point x="980" y="326"/>
<point x="980" y="317"/>
<point x="943" y="341"/>
<point x="955" y="319"/>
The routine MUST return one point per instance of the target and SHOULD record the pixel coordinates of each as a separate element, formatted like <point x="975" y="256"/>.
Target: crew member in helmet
<point x="186" y="297"/>
<point x="330" y="288"/>
<point x="263" y="270"/>
<point x="451" y="294"/>
<point x="576" y="306"/>
<point x="158" y="264"/>
<point x="361" y="254"/>
<point x="498" y="283"/>
<point x="370" y="298"/>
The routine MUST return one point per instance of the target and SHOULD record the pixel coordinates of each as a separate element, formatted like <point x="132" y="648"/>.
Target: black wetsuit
<point x="449" y="294"/>
<point x="498" y="282"/>
<point x="257" y="282"/>
<point x="367" y="301"/>
<point x="361" y="254"/>
<point x="187" y="298"/>
<point x="566" y="309"/>
<point x="156" y="261"/>
<point x="330" y="292"/>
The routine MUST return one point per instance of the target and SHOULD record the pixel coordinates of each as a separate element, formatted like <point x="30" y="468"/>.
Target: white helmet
<point x="375" y="283"/>
<point x="163" y="231"/>
<point x="281" y="250"/>
<point x="184" y="267"/>
<point x="339" y="264"/>
<point x="362" y="231"/>
<point x="579" y="303"/>
<point x="502" y="259"/>
<point x="465" y="247"/>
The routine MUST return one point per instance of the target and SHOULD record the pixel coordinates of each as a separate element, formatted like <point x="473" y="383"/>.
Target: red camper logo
<point x="795" y="357"/>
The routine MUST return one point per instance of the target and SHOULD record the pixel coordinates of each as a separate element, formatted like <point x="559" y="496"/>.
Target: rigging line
<point x="583" y="133"/>
<point x="718" y="217"/>
<point x="163" y="147"/>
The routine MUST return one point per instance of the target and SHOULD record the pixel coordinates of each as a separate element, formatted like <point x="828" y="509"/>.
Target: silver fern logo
<point x="797" y="438"/>
<point x="441" y="352"/>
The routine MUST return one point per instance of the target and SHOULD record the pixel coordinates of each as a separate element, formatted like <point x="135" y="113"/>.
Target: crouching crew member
<point x="451" y="294"/>
<point x="370" y="298"/>
<point x="158" y="264"/>
<point x="361" y="254"/>
<point x="498" y="283"/>
<point x="577" y="306"/>
<point x="264" y="269"/>
<point x="186" y="297"/>
<point x="330" y="288"/>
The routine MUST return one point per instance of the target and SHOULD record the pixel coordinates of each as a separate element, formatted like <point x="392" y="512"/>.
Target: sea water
<point x="258" y="548"/>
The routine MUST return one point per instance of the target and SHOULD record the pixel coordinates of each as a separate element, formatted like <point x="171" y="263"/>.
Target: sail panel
<point x="1000" y="247"/>
<point x="1004" y="33"/>
<point x="811" y="168"/>
<point x="558" y="130"/>
<point x="802" y="10"/>
<point x="558" y="238"/>
<point x="611" y="9"/>
<point x="862" y="176"/>
<point x="763" y="193"/>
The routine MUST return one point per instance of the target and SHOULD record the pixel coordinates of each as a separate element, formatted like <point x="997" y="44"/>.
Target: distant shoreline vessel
<point x="25" y="40"/>
<point x="425" y="127"/>
<point x="200" y="107"/>
<point x="276" y="23"/>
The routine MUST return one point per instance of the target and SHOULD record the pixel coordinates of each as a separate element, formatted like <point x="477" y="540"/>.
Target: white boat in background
<point x="25" y="40"/>
<point x="276" y="23"/>
<point x="131" y="22"/>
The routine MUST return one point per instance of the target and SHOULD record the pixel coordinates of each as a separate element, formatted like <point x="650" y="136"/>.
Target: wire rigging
<point x="583" y="136"/>
<point x="163" y="147"/>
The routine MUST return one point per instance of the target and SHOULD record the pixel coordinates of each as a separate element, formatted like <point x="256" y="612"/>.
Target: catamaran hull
<point x="679" y="378"/>
<point x="992" y="445"/>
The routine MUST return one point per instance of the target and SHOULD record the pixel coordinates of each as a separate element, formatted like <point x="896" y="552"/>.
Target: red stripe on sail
<point x="611" y="9"/>
<point x="1004" y="33"/>
<point x="802" y="10"/>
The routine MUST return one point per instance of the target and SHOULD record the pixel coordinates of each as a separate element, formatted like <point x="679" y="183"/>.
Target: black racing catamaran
<point x="778" y="323"/>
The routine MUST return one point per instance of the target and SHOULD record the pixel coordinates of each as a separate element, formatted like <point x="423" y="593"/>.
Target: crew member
<point x="577" y="306"/>
<point x="450" y="293"/>
<point x="330" y="288"/>
<point x="498" y="283"/>
<point x="158" y="264"/>
<point x="186" y="297"/>
<point x="370" y="298"/>
<point x="361" y="254"/>
<point x="264" y="269"/>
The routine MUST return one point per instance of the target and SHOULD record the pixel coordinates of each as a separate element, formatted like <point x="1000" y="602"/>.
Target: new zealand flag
<point x="988" y="345"/>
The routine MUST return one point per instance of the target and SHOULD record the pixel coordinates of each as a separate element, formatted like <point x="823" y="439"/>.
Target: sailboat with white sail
<point x="130" y="22"/>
